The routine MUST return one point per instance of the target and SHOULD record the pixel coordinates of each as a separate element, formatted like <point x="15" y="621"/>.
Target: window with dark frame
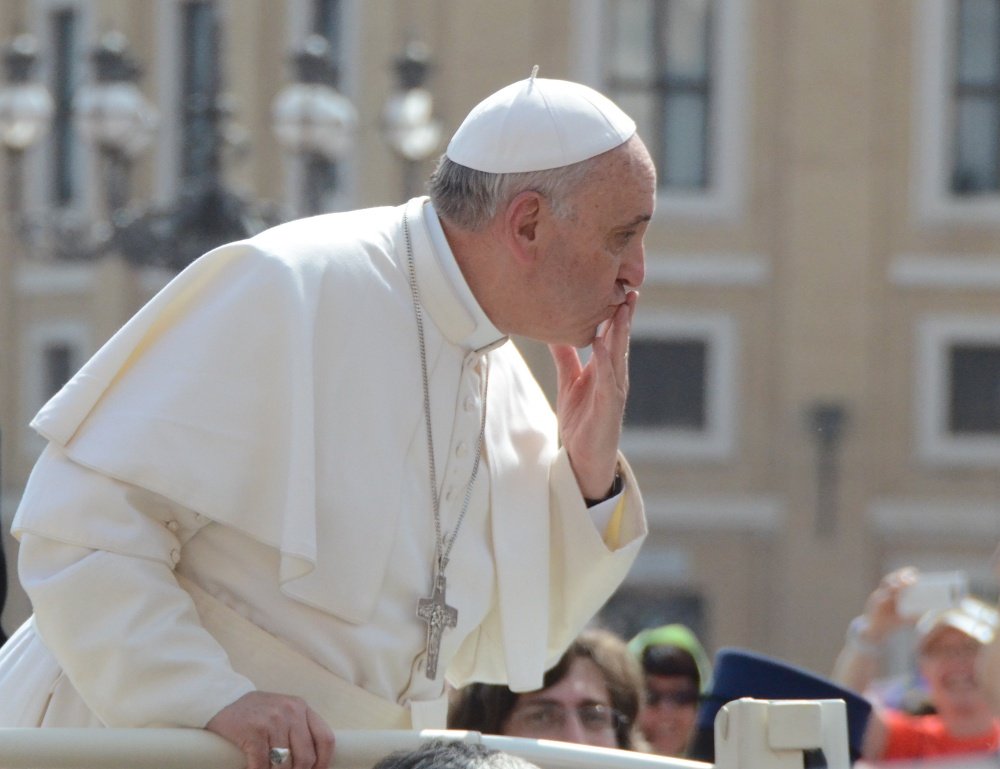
<point x="668" y="383"/>
<point x="976" y="107"/>
<point x="634" y="608"/>
<point x="974" y="392"/>
<point x="328" y="22"/>
<point x="63" y="139"/>
<point x="199" y="89"/>
<point x="322" y="174"/>
<point x="57" y="363"/>
<point x="660" y="71"/>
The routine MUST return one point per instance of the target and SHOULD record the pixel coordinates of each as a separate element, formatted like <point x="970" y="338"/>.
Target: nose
<point x="633" y="267"/>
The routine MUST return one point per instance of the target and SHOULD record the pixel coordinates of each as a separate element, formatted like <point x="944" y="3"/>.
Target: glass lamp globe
<point x="409" y="126"/>
<point x="312" y="117"/>
<point x="25" y="115"/>
<point x="116" y="115"/>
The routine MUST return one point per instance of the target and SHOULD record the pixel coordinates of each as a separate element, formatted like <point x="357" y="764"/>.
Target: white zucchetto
<point x="536" y="124"/>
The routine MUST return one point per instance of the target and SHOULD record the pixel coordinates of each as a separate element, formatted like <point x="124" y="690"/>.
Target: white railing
<point x="197" y="749"/>
<point x="749" y="734"/>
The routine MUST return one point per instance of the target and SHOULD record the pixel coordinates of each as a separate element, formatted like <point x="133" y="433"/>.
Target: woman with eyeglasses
<point x="591" y="697"/>
<point x="676" y="672"/>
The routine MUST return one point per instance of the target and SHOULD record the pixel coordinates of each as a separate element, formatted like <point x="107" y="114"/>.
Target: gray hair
<point x="441" y="754"/>
<point x="469" y="198"/>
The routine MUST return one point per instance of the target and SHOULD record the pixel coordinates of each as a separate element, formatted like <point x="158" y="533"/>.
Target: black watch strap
<point x="616" y="488"/>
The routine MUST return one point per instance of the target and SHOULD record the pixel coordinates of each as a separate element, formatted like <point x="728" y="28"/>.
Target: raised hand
<point x="590" y="402"/>
<point x="880" y="608"/>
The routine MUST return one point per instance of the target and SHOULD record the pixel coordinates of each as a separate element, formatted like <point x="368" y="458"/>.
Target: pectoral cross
<point x="438" y="615"/>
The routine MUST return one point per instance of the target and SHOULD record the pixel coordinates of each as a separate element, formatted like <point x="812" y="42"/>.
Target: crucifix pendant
<point x="438" y="615"/>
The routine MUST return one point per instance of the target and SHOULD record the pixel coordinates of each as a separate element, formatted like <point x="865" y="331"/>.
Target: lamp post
<point x="408" y="122"/>
<point x="826" y="421"/>
<point x="114" y="116"/>
<point x="313" y="120"/>
<point x="25" y="115"/>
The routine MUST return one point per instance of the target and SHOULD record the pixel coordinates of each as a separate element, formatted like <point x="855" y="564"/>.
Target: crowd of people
<point x="645" y="694"/>
<point x="603" y="692"/>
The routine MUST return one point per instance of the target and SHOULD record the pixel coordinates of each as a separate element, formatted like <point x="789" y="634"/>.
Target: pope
<point x="313" y="479"/>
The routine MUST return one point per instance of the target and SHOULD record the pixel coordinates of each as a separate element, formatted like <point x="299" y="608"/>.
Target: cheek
<point x="688" y="718"/>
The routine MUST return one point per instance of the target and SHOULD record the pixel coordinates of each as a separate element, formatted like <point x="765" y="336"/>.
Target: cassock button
<point x="449" y="493"/>
<point x="173" y="525"/>
<point x="470" y="403"/>
<point x="175" y="556"/>
<point x="461" y="449"/>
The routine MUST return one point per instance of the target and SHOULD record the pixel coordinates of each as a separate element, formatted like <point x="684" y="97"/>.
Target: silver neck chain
<point x="442" y="544"/>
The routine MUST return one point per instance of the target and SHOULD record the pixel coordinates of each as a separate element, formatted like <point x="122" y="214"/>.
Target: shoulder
<point x="335" y="236"/>
<point x="343" y="253"/>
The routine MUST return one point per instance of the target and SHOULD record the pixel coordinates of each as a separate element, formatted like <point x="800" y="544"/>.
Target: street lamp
<point x="25" y="114"/>
<point x="408" y="122"/>
<point x="826" y="422"/>
<point x="313" y="120"/>
<point x="114" y="116"/>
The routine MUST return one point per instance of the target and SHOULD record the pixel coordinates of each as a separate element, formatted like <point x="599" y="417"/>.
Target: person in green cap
<point x="677" y="671"/>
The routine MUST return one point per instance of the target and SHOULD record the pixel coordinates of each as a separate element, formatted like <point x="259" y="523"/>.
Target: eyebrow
<point x="550" y="701"/>
<point x="639" y="220"/>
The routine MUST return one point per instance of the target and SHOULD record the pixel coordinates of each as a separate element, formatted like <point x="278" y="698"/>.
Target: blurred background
<point x="816" y="360"/>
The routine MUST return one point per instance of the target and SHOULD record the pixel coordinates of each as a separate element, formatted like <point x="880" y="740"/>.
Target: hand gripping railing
<point x="749" y="734"/>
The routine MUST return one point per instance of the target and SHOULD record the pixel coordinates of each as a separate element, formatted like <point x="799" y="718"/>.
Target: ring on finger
<point x="278" y="756"/>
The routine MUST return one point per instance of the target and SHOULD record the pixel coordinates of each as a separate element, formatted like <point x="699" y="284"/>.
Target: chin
<point x="587" y="338"/>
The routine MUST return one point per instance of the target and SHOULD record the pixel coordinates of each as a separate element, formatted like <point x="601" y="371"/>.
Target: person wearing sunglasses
<point x="676" y="672"/>
<point x="591" y="697"/>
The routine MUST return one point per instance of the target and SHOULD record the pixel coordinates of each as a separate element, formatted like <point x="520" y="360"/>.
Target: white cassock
<point x="258" y="429"/>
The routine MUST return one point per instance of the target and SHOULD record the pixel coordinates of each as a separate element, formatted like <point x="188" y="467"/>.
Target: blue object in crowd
<point x="741" y="673"/>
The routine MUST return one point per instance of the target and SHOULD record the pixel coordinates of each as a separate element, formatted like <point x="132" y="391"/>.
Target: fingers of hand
<point x="567" y="361"/>
<point x="323" y="739"/>
<point x="882" y="604"/>
<point x="303" y="750"/>
<point x="617" y="338"/>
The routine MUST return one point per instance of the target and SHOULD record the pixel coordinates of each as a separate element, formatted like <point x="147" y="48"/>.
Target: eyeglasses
<point x="678" y="699"/>
<point x="548" y="717"/>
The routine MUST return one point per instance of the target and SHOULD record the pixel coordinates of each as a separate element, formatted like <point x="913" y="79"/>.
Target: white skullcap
<point x="536" y="124"/>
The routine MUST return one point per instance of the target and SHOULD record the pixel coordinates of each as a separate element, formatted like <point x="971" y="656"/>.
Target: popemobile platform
<point x="749" y="734"/>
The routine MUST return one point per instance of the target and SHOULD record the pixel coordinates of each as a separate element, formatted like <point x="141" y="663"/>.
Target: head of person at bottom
<point x="590" y="697"/>
<point x="442" y="754"/>
<point x="676" y="671"/>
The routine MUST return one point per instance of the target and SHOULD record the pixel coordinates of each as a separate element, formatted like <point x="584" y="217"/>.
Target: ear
<point x="522" y="221"/>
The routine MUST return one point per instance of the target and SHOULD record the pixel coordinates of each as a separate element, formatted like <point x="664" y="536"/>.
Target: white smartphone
<point x="935" y="590"/>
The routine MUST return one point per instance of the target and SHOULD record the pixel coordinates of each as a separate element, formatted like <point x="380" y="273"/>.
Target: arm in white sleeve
<point x="126" y="634"/>
<point x="590" y="558"/>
